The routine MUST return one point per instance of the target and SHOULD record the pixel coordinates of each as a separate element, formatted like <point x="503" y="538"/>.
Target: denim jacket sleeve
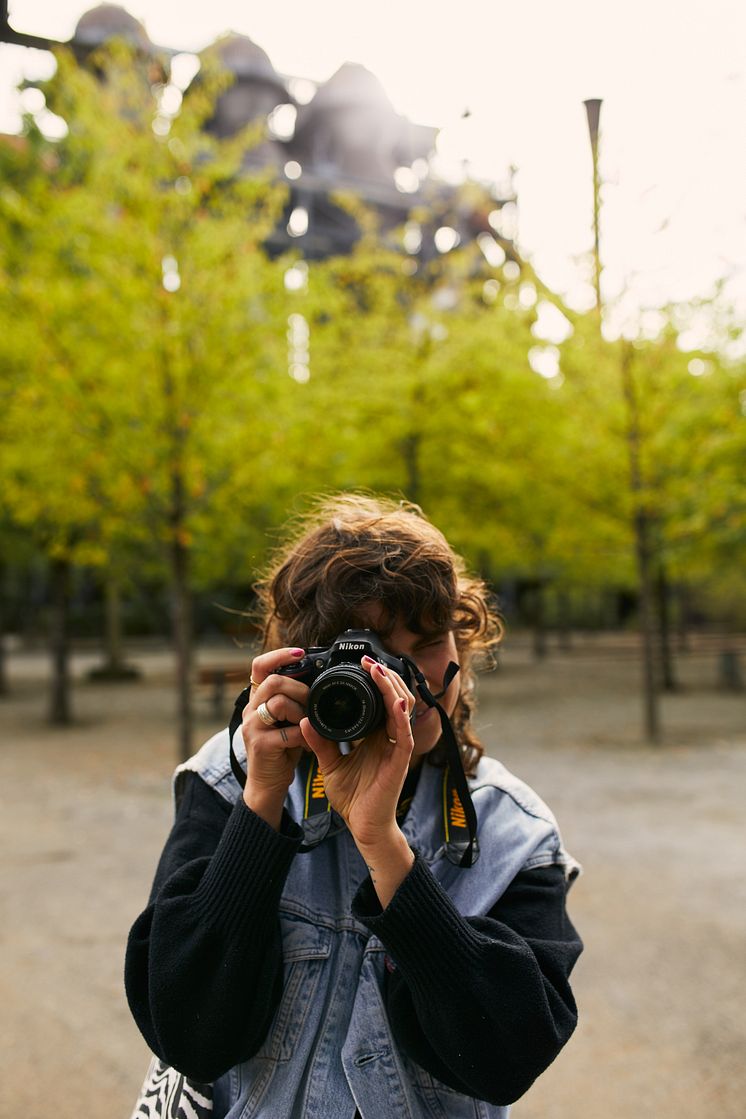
<point x="481" y="1003"/>
<point x="203" y="968"/>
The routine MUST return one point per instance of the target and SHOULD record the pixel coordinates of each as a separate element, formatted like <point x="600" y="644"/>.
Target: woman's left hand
<point x="364" y="785"/>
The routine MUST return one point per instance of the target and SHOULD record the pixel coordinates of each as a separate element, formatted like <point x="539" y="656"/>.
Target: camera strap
<point x="459" y="814"/>
<point x="241" y="701"/>
<point x="318" y="818"/>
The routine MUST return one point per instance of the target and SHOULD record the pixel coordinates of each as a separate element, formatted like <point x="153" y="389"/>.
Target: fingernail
<point x="368" y="660"/>
<point x="403" y="704"/>
<point x="297" y="652"/>
<point x="381" y="669"/>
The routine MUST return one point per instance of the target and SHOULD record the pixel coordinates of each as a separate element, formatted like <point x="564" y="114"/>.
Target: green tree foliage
<point x="149" y="426"/>
<point x="426" y="370"/>
<point x="147" y="366"/>
<point x="691" y="436"/>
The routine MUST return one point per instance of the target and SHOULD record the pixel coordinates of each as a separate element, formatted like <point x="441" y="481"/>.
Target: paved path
<point x="661" y="906"/>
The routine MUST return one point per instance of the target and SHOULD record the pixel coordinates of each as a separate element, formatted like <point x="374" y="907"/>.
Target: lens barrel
<point x="344" y="704"/>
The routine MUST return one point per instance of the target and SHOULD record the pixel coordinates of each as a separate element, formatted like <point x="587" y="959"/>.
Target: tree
<point x="156" y="316"/>
<point x="653" y="433"/>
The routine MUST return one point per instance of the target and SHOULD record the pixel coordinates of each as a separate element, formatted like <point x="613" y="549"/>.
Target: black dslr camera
<point x="344" y="703"/>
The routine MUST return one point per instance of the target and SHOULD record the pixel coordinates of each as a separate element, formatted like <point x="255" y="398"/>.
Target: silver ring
<point x="392" y="740"/>
<point x="266" y="715"/>
<point x="284" y="735"/>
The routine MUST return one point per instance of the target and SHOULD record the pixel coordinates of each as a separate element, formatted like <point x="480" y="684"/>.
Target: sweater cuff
<point x="247" y="872"/>
<point x="420" y="928"/>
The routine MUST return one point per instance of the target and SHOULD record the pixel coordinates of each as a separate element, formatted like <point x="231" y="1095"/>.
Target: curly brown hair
<point x="353" y="550"/>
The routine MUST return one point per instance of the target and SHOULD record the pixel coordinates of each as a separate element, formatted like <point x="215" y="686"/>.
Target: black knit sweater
<point x="482" y="1003"/>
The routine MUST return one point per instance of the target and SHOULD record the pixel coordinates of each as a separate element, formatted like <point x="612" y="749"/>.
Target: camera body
<point x="344" y="704"/>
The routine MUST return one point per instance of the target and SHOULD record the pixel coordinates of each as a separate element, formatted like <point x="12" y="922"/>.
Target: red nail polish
<point x="403" y="704"/>
<point x="297" y="652"/>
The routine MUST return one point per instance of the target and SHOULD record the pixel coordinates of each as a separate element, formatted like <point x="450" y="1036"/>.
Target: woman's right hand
<point x="272" y="752"/>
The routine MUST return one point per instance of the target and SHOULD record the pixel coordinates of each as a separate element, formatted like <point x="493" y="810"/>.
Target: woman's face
<point x="432" y="653"/>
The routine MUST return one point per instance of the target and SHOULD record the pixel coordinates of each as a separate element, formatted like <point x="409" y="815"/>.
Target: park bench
<point x="217" y="677"/>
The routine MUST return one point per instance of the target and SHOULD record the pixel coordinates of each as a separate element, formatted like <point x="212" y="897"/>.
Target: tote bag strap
<point x="168" y="1094"/>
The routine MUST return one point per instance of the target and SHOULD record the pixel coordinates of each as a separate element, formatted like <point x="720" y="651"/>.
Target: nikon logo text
<point x="349" y="645"/>
<point x="457" y="814"/>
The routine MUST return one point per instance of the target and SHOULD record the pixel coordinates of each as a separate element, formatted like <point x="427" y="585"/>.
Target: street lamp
<point x="593" y="112"/>
<point x="641" y="521"/>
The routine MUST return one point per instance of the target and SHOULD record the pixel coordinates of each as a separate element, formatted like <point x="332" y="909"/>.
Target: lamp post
<point x="593" y="112"/>
<point x="633" y="430"/>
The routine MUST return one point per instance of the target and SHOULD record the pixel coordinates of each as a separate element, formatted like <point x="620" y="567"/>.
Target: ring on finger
<point x="266" y="715"/>
<point x="392" y="740"/>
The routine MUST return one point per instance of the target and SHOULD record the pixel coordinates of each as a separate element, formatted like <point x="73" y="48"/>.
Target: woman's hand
<point x="364" y="785"/>
<point x="272" y="752"/>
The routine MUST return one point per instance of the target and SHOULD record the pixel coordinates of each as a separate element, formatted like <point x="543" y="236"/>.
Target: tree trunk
<point x="682" y="628"/>
<point x="181" y="613"/>
<point x="643" y="549"/>
<point x="538" y="624"/>
<point x="647" y="626"/>
<point x="411" y="443"/>
<point x="564" y="629"/>
<point x="4" y="689"/>
<point x="179" y="557"/>
<point x="113" y="666"/>
<point x="59" y="642"/>
<point x="410" y="446"/>
<point x="114" y="651"/>
<point x="181" y="602"/>
<point x="665" y="647"/>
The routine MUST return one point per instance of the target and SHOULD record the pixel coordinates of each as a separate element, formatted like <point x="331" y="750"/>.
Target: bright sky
<point x="671" y="73"/>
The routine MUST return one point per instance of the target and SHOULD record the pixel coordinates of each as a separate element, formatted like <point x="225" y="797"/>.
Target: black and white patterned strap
<point x="168" y="1094"/>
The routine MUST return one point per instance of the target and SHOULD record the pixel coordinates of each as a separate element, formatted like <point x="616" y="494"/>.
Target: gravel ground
<point x="661" y="905"/>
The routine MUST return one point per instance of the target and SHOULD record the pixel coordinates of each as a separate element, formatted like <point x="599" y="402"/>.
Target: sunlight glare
<point x="50" y="125"/>
<point x="184" y="67"/>
<point x="505" y="221"/>
<point x="298" y="222"/>
<point x="412" y="237"/>
<point x="171" y="277"/>
<point x="527" y="295"/>
<point x="301" y="90"/>
<point x="296" y="277"/>
<point x="446" y="238"/>
<point x="551" y="325"/>
<point x="406" y="180"/>
<point x="544" y="360"/>
<point x="281" y="122"/>
<point x="493" y="253"/>
<point x="169" y="100"/>
<point x="32" y="100"/>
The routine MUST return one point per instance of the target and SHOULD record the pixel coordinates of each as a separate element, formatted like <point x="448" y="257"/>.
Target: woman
<point x="333" y="939"/>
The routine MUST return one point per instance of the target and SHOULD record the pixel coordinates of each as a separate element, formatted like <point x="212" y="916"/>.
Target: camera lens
<point x="344" y="704"/>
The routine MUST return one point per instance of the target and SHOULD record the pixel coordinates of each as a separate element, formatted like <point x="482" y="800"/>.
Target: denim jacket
<point x="330" y="1049"/>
